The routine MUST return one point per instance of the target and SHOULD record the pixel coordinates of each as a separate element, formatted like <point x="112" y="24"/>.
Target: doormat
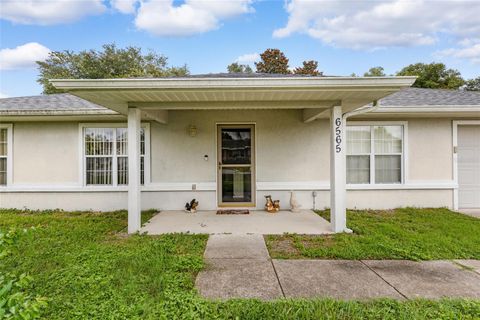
<point x="233" y="212"/>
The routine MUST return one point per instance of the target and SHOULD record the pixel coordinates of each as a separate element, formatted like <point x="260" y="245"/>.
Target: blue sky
<point x="343" y="36"/>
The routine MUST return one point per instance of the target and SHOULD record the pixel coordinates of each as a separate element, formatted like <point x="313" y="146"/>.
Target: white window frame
<point x="9" y="156"/>
<point x="83" y="158"/>
<point x="404" y="155"/>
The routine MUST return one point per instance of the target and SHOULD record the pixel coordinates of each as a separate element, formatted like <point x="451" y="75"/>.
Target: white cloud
<point x="164" y="18"/>
<point x="48" y="12"/>
<point x="159" y="17"/>
<point x="3" y="95"/>
<point x="384" y="23"/>
<point x="248" y="58"/>
<point x="124" y="6"/>
<point x="23" y="56"/>
<point x="470" y="52"/>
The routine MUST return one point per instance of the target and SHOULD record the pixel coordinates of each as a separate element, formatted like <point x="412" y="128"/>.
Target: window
<point x="106" y="156"/>
<point x="375" y="154"/>
<point x="5" y="150"/>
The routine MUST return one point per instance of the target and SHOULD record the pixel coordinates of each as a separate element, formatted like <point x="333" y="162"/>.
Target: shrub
<point x="15" y="302"/>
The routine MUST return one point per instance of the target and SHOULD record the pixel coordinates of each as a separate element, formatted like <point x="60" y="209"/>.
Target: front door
<point x="236" y="165"/>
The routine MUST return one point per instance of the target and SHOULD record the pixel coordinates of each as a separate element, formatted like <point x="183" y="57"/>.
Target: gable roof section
<point x="53" y="104"/>
<point x="419" y="102"/>
<point x="237" y="75"/>
<point x="415" y="97"/>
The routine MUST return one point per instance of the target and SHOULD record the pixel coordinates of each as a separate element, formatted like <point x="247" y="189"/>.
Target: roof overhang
<point x="233" y="93"/>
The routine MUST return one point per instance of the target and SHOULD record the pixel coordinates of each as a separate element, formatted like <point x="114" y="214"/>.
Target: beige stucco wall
<point x="106" y="201"/>
<point x="102" y="201"/>
<point x="287" y="149"/>
<point x="45" y="153"/>
<point x="388" y="199"/>
<point x="430" y="150"/>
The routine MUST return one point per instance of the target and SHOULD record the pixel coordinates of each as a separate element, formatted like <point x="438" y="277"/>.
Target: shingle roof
<point x="248" y="75"/>
<point x="236" y="75"/>
<point x="414" y="97"/>
<point x="53" y="103"/>
<point x="65" y="103"/>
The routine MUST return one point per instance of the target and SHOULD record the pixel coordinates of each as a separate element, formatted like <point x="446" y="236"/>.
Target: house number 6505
<point x="338" y="135"/>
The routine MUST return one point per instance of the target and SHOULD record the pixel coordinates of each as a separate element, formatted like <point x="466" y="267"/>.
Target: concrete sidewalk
<point x="239" y="266"/>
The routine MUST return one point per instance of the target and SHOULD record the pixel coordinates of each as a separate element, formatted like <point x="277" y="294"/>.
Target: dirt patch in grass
<point x="286" y="246"/>
<point x="120" y="235"/>
<point x="313" y="241"/>
<point x="281" y="247"/>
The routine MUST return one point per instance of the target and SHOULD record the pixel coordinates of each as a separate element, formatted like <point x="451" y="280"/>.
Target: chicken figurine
<point x="192" y="206"/>
<point x="294" y="204"/>
<point x="269" y="206"/>
<point x="272" y="206"/>
<point x="276" y="205"/>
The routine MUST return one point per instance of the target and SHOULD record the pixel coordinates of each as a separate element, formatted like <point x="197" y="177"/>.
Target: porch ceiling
<point x="233" y="93"/>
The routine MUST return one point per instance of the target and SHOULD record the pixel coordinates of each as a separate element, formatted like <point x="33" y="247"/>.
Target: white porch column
<point x="338" y="192"/>
<point x="134" y="204"/>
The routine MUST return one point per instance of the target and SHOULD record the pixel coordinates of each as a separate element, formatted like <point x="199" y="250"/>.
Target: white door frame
<point x="457" y="123"/>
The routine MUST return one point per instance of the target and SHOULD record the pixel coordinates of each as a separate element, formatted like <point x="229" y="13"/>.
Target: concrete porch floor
<point x="257" y="222"/>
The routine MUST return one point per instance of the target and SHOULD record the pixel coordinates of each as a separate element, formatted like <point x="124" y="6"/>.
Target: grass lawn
<point x="415" y="234"/>
<point x="88" y="268"/>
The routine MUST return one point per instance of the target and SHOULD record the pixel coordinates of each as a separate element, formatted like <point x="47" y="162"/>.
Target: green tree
<point x="109" y="62"/>
<point x="239" y="68"/>
<point x="473" y="84"/>
<point x="375" y="72"/>
<point x="272" y="61"/>
<point x="309" y="68"/>
<point x="433" y="75"/>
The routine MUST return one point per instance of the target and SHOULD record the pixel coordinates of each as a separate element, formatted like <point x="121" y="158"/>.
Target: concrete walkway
<point x="239" y="266"/>
<point x="257" y="222"/>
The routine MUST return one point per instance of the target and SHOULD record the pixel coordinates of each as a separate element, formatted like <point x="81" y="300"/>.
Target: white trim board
<point x="455" y="124"/>
<point x="211" y="186"/>
<point x="235" y="83"/>
<point x="325" y="185"/>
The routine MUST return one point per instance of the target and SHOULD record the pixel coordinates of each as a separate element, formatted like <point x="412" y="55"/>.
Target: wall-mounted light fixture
<point x="205" y="157"/>
<point x="192" y="130"/>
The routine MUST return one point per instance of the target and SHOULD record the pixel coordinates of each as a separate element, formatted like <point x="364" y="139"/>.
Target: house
<point x="228" y="140"/>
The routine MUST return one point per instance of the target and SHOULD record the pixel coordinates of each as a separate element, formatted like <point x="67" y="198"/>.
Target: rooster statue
<point x="192" y="206"/>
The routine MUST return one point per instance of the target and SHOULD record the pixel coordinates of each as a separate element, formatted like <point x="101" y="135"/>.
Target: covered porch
<point x="256" y="222"/>
<point x="330" y="99"/>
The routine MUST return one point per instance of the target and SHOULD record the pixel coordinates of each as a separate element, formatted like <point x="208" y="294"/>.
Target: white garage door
<point x="469" y="166"/>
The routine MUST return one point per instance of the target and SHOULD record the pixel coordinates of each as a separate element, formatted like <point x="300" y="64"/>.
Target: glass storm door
<point x="236" y="165"/>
